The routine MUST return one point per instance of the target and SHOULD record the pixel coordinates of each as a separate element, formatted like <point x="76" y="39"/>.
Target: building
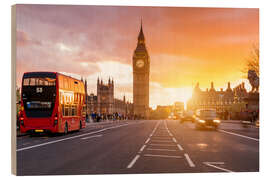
<point x="240" y="93"/>
<point x="92" y="104"/>
<point x="105" y="103"/>
<point x="178" y="107"/>
<point x="161" y="112"/>
<point x="141" y="70"/>
<point x="105" y="97"/>
<point x="221" y="100"/>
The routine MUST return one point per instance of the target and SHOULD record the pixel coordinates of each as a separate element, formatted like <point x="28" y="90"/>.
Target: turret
<point x="229" y="87"/>
<point x="141" y="35"/>
<point x="212" y="87"/>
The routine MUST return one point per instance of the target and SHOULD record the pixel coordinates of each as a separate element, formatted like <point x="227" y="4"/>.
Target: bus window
<point x="66" y="110"/>
<point x="63" y="110"/>
<point x="81" y="99"/>
<point x="69" y="110"/>
<point x="74" y="110"/>
<point x="39" y="82"/>
<point x="26" y="81"/>
<point x="32" y="82"/>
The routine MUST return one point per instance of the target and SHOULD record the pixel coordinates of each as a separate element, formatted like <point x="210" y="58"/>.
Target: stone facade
<point x="105" y="103"/>
<point x="105" y="97"/>
<point x="211" y="99"/>
<point x="141" y="70"/>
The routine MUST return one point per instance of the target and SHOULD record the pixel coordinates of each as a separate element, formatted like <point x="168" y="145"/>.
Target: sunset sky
<point x="186" y="45"/>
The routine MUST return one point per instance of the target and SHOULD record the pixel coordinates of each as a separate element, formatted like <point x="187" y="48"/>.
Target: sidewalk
<point x="19" y="134"/>
<point x="231" y="121"/>
<point x="104" y="122"/>
<point x="239" y="122"/>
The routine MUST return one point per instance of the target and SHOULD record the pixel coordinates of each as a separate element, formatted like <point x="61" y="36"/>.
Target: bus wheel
<point x="66" y="129"/>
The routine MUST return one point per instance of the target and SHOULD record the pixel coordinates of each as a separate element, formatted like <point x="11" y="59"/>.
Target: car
<point x="187" y="116"/>
<point x="206" y="118"/>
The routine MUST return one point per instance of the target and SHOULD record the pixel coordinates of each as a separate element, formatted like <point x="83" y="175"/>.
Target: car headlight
<point x="201" y="121"/>
<point x="217" y="121"/>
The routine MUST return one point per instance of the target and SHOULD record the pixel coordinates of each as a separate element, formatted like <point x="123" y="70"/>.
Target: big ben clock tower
<point x="141" y="69"/>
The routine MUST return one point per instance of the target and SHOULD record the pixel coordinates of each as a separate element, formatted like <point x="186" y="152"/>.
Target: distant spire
<point x="229" y="87"/>
<point x="141" y="35"/>
<point x="212" y="87"/>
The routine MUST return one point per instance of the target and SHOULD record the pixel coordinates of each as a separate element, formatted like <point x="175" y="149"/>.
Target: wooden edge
<point x="13" y="91"/>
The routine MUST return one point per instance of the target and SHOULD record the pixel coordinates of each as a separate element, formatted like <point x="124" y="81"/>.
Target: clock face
<point x="139" y="63"/>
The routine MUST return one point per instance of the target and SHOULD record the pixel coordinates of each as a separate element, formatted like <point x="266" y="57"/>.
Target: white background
<point x="5" y="85"/>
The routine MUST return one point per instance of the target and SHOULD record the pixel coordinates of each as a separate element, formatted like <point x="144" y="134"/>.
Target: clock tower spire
<point x="141" y="70"/>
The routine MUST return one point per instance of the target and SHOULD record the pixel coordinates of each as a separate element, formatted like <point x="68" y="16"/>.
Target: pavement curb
<point x="231" y="121"/>
<point x="18" y="134"/>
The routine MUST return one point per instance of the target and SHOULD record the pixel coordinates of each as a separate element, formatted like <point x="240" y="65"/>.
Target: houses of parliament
<point x="222" y="100"/>
<point x="105" y="103"/>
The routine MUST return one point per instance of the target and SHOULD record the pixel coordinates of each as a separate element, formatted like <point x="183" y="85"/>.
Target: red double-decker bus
<point x="51" y="102"/>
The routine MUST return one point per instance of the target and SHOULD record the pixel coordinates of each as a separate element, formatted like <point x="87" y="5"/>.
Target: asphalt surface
<point x="146" y="146"/>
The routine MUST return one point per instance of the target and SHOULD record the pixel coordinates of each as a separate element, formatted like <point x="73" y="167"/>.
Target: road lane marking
<point x="160" y="141"/>
<point x="133" y="161"/>
<point x="92" y="137"/>
<point x="161" y="145"/>
<point x="72" y="137"/>
<point x="157" y="155"/>
<point x="191" y="164"/>
<point x="155" y="138"/>
<point x="160" y="136"/>
<point x="180" y="147"/>
<point x="239" y="135"/>
<point x="151" y="149"/>
<point x="147" y="141"/>
<point x="142" y="148"/>
<point x="217" y="163"/>
<point x="174" y="140"/>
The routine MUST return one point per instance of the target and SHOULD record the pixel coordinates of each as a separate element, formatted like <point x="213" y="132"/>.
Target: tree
<point x="252" y="62"/>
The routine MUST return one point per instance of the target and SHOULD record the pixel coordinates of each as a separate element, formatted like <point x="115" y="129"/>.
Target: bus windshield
<point x="39" y="94"/>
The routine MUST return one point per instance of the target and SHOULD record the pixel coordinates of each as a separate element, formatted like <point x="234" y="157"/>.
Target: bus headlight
<point x="216" y="121"/>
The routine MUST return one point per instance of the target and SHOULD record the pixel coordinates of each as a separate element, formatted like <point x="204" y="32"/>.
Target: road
<point x="146" y="146"/>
